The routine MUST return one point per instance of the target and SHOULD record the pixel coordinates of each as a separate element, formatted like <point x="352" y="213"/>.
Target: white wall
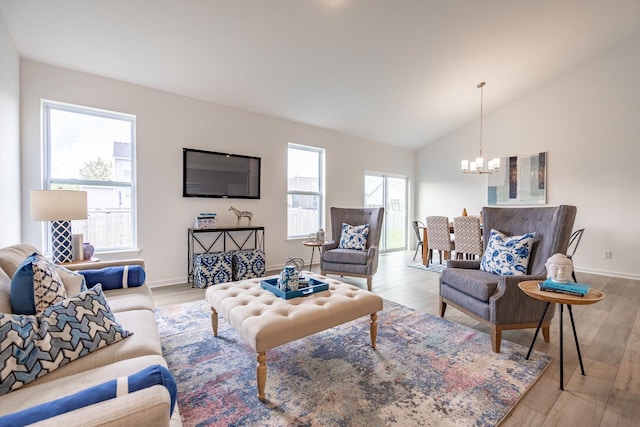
<point x="588" y="120"/>
<point x="165" y="124"/>
<point x="9" y="139"/>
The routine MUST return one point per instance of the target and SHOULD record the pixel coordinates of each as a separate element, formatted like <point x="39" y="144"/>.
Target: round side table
<point x="530" y="287"/>
<point x="313" y="244"/>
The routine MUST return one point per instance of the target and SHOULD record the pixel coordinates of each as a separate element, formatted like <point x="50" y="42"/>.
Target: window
<point x="391" y="193"/>
<point x="93" y="151"/>
<point x="305" y="190"/>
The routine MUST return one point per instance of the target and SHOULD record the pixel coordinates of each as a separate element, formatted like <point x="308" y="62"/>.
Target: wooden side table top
<point x="530" y="287"/>
<point x="313" y="243"/>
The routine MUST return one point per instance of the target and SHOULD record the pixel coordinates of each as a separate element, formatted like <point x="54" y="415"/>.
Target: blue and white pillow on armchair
<point x="354" y="237"/>
<point x="507" y="255"/>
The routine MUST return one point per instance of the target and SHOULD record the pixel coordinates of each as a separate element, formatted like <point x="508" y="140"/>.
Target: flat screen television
<point x="212" y="174"/>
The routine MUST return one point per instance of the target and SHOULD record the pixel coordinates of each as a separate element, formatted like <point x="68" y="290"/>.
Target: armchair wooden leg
<point x="369" y="280"/>
<point x="545" y="333"/>
<point x="496" y="338"/>
<point x="443" y="307"/>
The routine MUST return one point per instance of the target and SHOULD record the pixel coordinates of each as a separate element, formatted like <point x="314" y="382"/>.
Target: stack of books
<point x="205" y="221"/>
<point x="570" y="288"/>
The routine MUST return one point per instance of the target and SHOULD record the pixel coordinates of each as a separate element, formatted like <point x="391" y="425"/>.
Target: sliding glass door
<point x="391" y="193"/>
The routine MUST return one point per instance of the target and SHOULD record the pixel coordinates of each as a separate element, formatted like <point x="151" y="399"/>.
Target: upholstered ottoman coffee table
<point x="266" y="321"/>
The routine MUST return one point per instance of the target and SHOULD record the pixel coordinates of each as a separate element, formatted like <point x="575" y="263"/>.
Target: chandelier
<point x="477" y="166"/>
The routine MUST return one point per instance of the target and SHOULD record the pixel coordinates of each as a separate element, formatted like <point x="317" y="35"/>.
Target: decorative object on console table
<point x="242" y="214"/>
<point x="60" y="207"/>
<point x="205" y="221"/>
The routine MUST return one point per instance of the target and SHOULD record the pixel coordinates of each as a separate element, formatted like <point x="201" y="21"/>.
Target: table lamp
<point x="59" y="207"/>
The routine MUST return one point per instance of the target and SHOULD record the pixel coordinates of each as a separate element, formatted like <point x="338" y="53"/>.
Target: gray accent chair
<point x="350" y="262"/>
<point x="496" y="300"/>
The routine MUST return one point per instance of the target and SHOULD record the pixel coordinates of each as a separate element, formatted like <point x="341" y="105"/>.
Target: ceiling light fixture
<point x="477" y="166"/>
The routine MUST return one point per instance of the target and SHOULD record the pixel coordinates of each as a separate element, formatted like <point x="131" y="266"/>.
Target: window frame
<point x="321" y="186"/>
<point x="48" y="181"/>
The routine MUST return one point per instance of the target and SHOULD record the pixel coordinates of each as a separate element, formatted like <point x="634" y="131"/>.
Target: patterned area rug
<point x="425" y="371"/>
<point x="432" y="267"/>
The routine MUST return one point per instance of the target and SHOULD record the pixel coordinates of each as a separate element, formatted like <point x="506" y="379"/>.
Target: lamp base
<point x="62" y="250"/>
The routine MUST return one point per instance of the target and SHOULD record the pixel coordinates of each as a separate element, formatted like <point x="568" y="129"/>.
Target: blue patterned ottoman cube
<point x="248" y="264"/>
<point x="213" y="268"/>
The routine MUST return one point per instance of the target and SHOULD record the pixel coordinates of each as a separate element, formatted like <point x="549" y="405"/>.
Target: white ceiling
<point x="402" y="72"/>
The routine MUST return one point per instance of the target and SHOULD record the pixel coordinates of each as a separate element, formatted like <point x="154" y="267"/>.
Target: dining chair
<point x="468" y="237"/>
<point x="439" y="236"/>
<point x="574" y="241"/>
<point x="418" y="226"/>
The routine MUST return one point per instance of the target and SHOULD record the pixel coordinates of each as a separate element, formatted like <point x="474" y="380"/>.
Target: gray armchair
<point x="496" y="300"/>
<point x="350" y="262"/>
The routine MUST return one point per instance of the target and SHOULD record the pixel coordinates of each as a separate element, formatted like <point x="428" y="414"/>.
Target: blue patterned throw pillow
<point x="32" y="346"/>
<point x="35" y="286"/>
<point x="507" y="255"/>
<point x="354" y="237"/>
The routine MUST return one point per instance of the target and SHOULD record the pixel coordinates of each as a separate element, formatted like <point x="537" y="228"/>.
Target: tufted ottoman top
<point x="266" y="321"/>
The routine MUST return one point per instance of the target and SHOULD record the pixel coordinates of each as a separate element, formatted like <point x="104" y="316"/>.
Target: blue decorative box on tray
<point x="312" y="287"/>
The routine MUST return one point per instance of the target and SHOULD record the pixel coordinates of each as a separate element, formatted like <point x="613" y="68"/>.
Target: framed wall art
<point x="521" y="180"/>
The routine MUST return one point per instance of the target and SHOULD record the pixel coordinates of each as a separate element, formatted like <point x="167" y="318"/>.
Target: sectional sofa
<point x="133" y="309"/>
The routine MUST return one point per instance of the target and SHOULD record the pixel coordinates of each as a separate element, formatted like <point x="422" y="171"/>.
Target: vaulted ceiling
<point x="400" y="72"/>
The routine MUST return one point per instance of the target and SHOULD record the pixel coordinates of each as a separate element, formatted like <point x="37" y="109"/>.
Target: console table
<point x="238" y="237"/>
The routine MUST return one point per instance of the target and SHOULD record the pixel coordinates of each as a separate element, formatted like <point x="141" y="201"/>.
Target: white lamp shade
<point x="58" y="205"/>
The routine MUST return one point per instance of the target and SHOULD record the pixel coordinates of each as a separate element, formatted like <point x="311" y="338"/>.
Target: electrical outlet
<point x="606" y="254"/>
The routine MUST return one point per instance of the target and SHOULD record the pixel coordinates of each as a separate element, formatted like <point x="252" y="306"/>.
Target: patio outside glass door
<point x="390" y="192"/>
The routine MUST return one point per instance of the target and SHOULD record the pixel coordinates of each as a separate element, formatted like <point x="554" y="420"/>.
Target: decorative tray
<point x="311" y="287"/>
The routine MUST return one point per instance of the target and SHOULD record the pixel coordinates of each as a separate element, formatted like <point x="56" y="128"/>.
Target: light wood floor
<point x="609" y="334"/>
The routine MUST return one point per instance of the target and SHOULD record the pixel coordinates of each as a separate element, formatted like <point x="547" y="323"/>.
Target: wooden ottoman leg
<point x="214" y="321"/>
<point x="374" y="329"/>
<point x="261" y="374"/>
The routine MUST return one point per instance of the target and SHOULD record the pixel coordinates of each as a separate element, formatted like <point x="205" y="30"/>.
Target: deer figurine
<point x="242" y="214"/>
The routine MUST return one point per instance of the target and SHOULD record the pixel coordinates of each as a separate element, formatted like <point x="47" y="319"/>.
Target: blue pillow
<point x="507" y="255"/>
<point x="126" y="276"/>
<point x="33" y="346"/>
<point x="35" y="286"/>
<point x="148" y="377"/>
<point x="354" y="237"/>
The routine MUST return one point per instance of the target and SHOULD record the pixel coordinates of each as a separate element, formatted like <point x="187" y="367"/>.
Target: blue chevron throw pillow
<point x="32" y="346"/>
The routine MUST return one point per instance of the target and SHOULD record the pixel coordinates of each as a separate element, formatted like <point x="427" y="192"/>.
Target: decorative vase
<point x="289" y="279"/>
<point x="88" y="250"/>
